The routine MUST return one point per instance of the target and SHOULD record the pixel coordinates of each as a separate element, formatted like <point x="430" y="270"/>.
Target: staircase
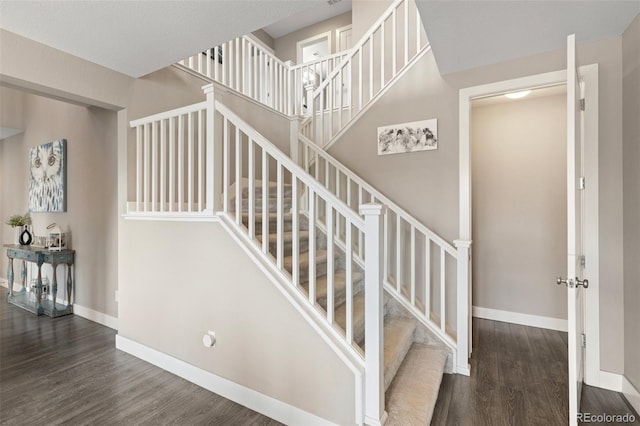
<point x="385" y="292"/>
<point x="413" y="365"/>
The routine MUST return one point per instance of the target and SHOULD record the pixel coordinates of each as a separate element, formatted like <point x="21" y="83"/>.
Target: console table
<point x="40" y="256"/>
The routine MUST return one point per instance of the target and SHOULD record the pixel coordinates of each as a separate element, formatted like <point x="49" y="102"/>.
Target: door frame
<point x="312" y="40"/>
<point x="593" y="376"/>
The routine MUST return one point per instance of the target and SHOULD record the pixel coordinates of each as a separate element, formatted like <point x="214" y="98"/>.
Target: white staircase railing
<point x="420" y="269"/>
<point x="385" y="51"/>
<point x="309" y="75"/>
<point x="246" y="66"/>
<point x="171" y="163"/>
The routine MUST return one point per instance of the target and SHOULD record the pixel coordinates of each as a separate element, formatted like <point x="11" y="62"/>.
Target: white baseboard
<point x="95" y="316"/>
<point x="610" y="381"/>
<point x="522" y="319"/>
<point x="82" y="311"/>
<point x="631" y="393"/>
<point x="242" y="395"/>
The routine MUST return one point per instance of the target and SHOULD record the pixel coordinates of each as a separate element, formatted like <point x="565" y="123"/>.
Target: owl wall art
<point x="48" y="177"/>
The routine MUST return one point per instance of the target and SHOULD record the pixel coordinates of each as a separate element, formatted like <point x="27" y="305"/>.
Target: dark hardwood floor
<point x="67" y="371"/>
<point x="518" y="377"/>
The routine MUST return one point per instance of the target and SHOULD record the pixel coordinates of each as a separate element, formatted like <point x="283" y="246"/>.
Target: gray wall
<point x="91" y="188"/>
<point x="264" y="37"/>
<point x="631" y="135"/>
<point x="520" y="205"/>
<point x="180" y="280"/>
<point x="365" y="13"/>
<point x="426" y="183"/>
<point x="285" y="46"/>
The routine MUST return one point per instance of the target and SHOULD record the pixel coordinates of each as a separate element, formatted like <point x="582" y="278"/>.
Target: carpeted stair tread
<point x="272" y="187"/>
<point x="339" y="287"/>
<point x="398" y="337"/>
<point x="412" y="396"/>
<point x="358" y="317"/>
<point x="272" y="217"/>
<point x="303" y="264"/>
<point x="287" y="236"/>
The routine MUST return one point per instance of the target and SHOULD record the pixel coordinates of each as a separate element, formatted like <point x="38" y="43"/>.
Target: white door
<point x="343" y="36"/>
<point x="575" y="282"/>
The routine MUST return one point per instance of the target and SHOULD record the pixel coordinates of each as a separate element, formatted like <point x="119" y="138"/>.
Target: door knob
<point x="570" y="282"/>
<point x="584" y="283"/>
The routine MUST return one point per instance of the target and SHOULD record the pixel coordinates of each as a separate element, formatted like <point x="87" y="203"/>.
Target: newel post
<point x="373" y="311"/>
<point x="463" y="306"/>
<point x="213" y="154"/>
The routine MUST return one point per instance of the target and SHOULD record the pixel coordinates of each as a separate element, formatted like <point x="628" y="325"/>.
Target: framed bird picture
<point x="48" y="177"/>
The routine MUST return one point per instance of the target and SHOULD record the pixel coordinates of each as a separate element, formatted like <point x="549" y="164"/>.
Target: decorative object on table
<point x="25" y="236"/>
<point x="408" y="137"/>
<point x="57" y="239"/>
<point x="48" y="177"/>
<point x="39" y="241"/>
<point x="18" y="222"/>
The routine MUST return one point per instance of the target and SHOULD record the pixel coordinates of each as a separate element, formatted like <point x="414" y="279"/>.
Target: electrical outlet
<point x="209" y="339"/>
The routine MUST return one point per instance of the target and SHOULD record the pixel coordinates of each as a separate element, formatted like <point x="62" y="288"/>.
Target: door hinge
<point x="582" y="104"/>
<point x="583" y="183"/>
<point x="583" y="261"/>
<point x="584" y="340"/>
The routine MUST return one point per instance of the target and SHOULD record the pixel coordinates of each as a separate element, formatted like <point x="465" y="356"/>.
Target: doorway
<point x="591" y="206"/>
<point x="519" y="197"/>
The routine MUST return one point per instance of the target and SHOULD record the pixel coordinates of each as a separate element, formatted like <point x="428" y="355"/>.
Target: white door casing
<point x="590" y="221"/>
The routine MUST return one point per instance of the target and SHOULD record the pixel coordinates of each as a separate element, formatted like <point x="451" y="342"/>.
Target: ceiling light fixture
<point x="518" y="95"/>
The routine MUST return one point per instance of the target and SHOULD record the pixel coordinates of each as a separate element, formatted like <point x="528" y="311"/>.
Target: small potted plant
<point x="18" y="223"/>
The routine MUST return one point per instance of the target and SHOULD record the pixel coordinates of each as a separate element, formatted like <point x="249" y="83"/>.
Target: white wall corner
<point x="522" y="319"/>
<point x="235" y="392"/>
<point x="631" y="393"/>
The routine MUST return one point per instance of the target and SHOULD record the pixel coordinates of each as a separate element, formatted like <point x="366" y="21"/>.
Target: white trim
<point x="235" y="392"/>
<point x="631" y="393"/>
<point x="81" y="311"/>
<point x="609" y="381"/>
<point x="95" y="316"/>
<point x="590" y="73"/>
<point x="539" y="321"/>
